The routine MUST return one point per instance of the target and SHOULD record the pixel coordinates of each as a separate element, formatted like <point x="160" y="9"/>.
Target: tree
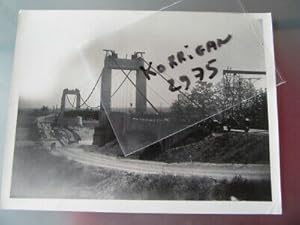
<point x="257" y="111"/>
<point x="236" y="98"/>
<point x="197" y="105"/>
<point x="233" y="93"/>
<point x="44" y="108"/>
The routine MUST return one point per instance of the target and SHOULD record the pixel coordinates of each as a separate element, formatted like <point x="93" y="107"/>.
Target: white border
<point x="150" y="206"/>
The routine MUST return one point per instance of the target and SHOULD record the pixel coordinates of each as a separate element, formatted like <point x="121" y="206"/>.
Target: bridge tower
<point x="112" y="62"/>
<point x="104" y="133"/>
<point x="66" y="92"/>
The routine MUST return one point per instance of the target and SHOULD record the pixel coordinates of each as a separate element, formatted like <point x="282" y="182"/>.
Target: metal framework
<point x="232" y="80"/>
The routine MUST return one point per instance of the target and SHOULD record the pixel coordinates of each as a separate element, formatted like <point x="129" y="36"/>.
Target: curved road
<point x="215" y="171"/>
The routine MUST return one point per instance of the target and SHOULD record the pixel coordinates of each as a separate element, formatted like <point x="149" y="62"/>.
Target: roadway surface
<point x="215" y="171"/>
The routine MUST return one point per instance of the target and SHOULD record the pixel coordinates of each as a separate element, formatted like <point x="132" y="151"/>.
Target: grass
<point x="39" y="174"/>
<point x="242" y="148"/>
<point x="243" y="189"/>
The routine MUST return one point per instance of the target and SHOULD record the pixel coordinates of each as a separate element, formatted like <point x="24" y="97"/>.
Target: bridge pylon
<point x="135" y="63"/>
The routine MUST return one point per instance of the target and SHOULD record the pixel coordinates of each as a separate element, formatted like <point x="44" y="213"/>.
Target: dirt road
<point x="215" y="171"/>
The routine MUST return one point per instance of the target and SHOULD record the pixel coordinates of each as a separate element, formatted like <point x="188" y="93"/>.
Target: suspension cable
<point x="137" y="88"/>
<point x="72" y="104"/>
<point x="121" y="84"/>
<point x="181" y="92"/>
<point x="92" y="107"/>
<point x="93" y="89"/>
<point x="164" y="100"/>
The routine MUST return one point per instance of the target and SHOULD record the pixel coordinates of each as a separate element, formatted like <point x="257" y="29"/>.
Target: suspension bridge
<point x="142" y="126"/>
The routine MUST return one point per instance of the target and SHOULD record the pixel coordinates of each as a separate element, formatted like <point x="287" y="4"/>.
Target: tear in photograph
<point x="143" y="112"/>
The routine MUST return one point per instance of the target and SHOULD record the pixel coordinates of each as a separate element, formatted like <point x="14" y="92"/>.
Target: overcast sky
<point x="63" y="49"/>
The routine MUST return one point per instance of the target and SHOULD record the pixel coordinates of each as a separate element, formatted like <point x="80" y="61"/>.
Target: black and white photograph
<point x="143" y="111"/>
